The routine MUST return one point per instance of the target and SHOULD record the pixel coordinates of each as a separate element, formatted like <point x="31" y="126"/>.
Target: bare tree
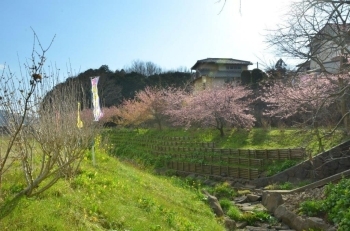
<point x="137" y="66"/>
<point x="17" y="103"/>
<point x="42" y="142"/>
<point x="224" y="3"/>
<point x="152" y="69"/>
<point x="144" y="68"/>
<point x="315" y="31"/>
<point x="60" y="141"/>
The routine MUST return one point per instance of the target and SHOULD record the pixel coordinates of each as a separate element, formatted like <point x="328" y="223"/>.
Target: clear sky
<point x="170" y="33"/>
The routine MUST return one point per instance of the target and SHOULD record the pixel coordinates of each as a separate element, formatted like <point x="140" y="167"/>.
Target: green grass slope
<point x="256" y="138"/>
<point x="113" y="196"/>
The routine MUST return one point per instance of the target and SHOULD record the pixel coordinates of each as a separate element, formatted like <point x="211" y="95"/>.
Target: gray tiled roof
<point x="222" y="61"/>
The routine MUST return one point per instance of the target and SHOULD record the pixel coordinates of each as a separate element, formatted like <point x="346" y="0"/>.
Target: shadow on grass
<point x="259" y="136"/>
<point x="8" y="206"/>
<point x="237" y="138"/>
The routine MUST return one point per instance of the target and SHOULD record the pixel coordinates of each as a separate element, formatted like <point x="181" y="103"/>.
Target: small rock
<point x="214" y="204"/>
<point x="249" y="186"/>
<point x="241" y="199"/>
<point x="253" y="228"/>
<point x="271" y="200"/>
<point x="230" y="224"/>
<point x="253" y="197"/>
<point x="238" y="185"/>
<point x="289" y="218"/>
<point x="241" y="224"/>
<point x="316" y="222"/>
<point x="281" y="227"/>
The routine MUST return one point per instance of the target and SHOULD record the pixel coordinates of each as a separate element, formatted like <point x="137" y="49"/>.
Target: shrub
<point x="245" y="77"/>
<point x="264" y="216"/>
<point x="257" y="75"/>
<point x="312" y="208"/>
<point x="337" y="204"/>
<point x="224" y="190"/>
<point x="278" y="166"/>
<point x="225" y="204"/>
<point x="286" y="186"/>
<point x="257" y="216"/>
<point x="234" y="213"/>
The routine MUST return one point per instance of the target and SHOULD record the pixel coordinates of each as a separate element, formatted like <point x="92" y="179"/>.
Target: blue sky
<point x="170" y="33"/>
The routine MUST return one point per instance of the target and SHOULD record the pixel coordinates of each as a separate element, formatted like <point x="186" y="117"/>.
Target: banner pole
<point x="93" y="154"/>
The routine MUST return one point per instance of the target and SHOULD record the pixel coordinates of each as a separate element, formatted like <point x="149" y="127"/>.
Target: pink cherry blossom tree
<point x="148" y="105"/>
<point x="314" y="98"/>
<point x="303" y="95"/>
<point x="217" y="108"/>
<point x="110" y="114"/>
<point x="154" y="103"/>
<point x="131" y="112"/>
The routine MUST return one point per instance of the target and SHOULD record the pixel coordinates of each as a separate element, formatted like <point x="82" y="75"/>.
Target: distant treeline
<point x="114" y="87"/>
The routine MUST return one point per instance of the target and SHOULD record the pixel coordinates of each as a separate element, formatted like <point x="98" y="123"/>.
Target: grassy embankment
<point x="130" y="144"/>
<point x="116" y="196"/>
<point x="256" y="138"/>
<point x="111" y="196"/>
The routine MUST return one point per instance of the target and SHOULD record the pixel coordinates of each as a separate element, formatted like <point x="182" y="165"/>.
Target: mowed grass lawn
<point x="113" y="196"/>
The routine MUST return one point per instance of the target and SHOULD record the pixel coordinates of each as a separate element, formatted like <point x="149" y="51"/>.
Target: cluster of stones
<point x="292" y="200"/>
<point x="282" y="206"/>
<point x="326" y="167"/>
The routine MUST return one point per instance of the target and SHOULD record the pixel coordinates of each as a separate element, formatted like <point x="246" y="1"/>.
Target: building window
<point x="231" y="67"/>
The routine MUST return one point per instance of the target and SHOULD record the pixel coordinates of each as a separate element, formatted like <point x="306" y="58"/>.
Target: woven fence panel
<point x="215" y="170"/>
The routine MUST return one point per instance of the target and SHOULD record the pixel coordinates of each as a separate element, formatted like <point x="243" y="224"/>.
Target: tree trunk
<point x="319" y="138"/>
<point x="222" y="134"/>
<point x="159" y="122"/>
<point x="344" y="108"/>
<point x="220" y="126"/>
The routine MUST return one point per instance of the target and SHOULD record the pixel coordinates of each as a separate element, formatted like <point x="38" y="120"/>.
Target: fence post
<point x="289" y="154"/>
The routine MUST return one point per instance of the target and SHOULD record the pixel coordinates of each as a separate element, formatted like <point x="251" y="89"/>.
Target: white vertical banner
<point x="95" y="99"/>
<point x="96" y="110"/>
